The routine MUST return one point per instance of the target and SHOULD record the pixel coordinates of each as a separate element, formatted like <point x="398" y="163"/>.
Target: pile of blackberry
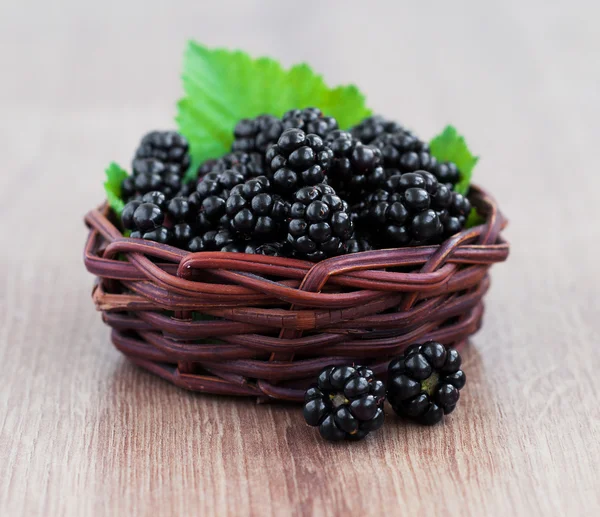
<point x="295" y="186"/>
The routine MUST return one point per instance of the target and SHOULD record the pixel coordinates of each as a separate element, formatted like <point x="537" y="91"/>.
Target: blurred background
<point x="81" y="82"/>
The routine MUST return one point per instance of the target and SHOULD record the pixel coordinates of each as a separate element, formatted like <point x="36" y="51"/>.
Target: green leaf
<point x="223" y="86"/>
<point x="474" y="219"/>
<point x="449" y="146"/>
<point x="112" y="186"/>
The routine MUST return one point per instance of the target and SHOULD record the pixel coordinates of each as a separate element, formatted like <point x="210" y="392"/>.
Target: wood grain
<point x="82" y="432"/>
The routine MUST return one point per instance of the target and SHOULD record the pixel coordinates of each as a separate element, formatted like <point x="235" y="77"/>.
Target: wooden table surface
<point x="83" y="432"/>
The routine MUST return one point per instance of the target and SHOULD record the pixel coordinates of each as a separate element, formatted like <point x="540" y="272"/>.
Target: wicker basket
<point x="237" y="324"/>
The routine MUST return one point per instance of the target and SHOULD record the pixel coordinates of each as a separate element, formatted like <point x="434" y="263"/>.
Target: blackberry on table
<point x="298" y="159"/>
<point x="424" y="382"/>
<point x="254" y="211"/>
<point x="256" y="134"/>
<point x="345" y="403"/>
<point x="355" y="167"/>
<point x="372" y="127"/>
<point x="320" y="224"/>
<point x="310" y="120"/>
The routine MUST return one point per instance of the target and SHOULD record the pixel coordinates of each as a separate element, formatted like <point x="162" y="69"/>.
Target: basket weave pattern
<point x="237" y="324"/>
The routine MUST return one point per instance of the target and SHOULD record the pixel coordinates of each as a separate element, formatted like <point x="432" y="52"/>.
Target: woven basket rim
<point x="279" y="320"/>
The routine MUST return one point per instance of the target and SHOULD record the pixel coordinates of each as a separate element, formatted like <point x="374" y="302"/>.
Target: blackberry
<point x="372" y="127"/>
<point x="145" y="219"/>
<point x="453" y="210"/>
<point x="168" y="147"/>
<point x="320" y="224"/>
<point x="256" y="134"/>
<point x="424" y="382"/>
<point x="355" y="167"/>
<point x="272" y="249"/>
<point x="402" y="213"/>
<point x="445" y="172"/>
<point x="148" y="217"/>
<point x="404" y="152"/>
<point x="346" y="403"/>
<point x="249" y="165"/>
<point x="180" y="210"/>
<point x="212" y="240"/>
<point x="310" y="120"/>
<point x="254" y="211"/>
<point x="358" y="243"/>
<point x="298" y="159"/>
<point x="210" y="198"/>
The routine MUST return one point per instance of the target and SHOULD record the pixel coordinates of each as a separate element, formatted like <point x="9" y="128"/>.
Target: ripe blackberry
<point x="168" y="147"/>
<point x="145" y="219"/>
<point x="355" y="167"/>
<point x="249" y="164"/>
<point x="403" y="212"/>
<point x="256" y="134"/>
<point x="298" y="159"/>
<point x="320" y="224"/>
<point x="372" y="127"/>
<point x="346" y="403"/>
<point x="272" y="249"/>
<point x="212" y="240"/>
<point x="404" y="152"/>
<point x="358" y="243"/>
<point x="210" y="198"/>
<point x="424" y="382"/>
<point x="453" y="209"/>
<point x="310" y="120"/>
<point x="255" y="212"/>
<point x="445" y="172"/>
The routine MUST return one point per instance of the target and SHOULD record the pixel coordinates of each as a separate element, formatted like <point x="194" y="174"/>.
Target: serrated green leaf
<point x="112" y="186"/>
<point x="222" y="87"/>
<point x="450" y="146"/>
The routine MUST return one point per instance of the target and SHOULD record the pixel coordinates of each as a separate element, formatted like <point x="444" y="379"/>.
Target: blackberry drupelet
<point x="272" y="249"/>
<point x="320" y="224"/>
<point x="255" y="212"/>
<point x="345" y="403"/>
<point x="168" y="147"/>
<point x="298" y="159"/>
<point x="424" y="382"/>
<point x="372" y="127"/>
<point x="256" y="134"/>
<point x="355" y="168"/>
<point x="452" y="208"/>
<point x="250" y="164"/>
<point x="212" y="240"/>
<point x="145" y="219"/>
<point x="358" y="243"/>
<point x="310" y="120"/>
